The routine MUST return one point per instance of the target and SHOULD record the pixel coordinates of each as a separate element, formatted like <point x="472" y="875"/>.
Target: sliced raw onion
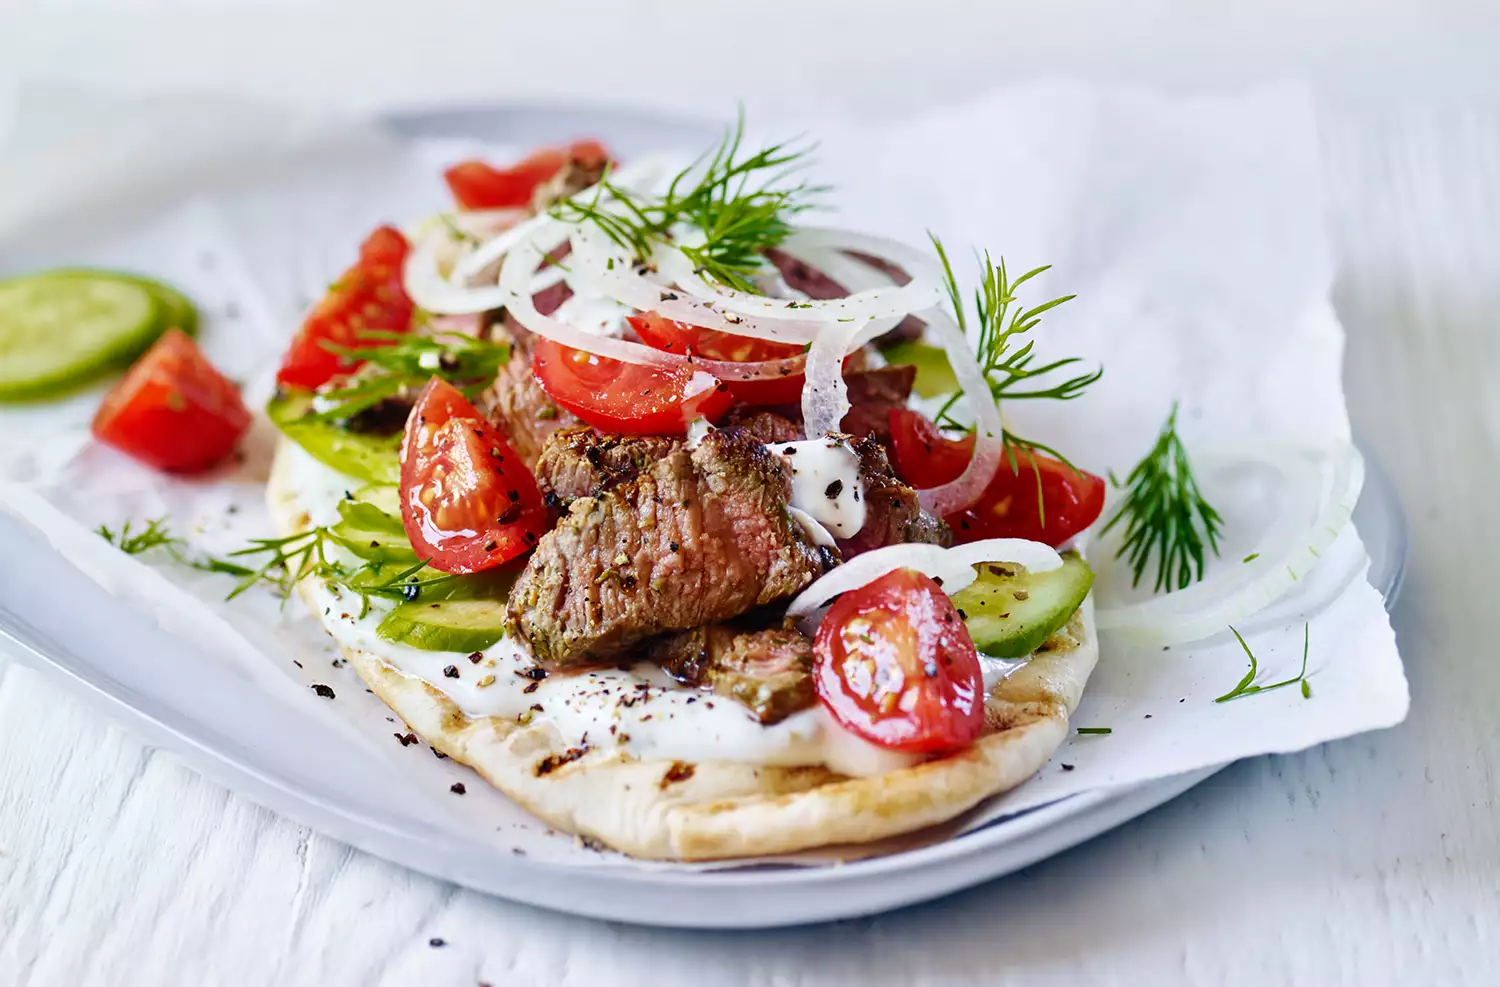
<point x="604" y="267"/>
<point x="880" y="300"/>
<point x="989" y="431"/>
<point x="453" y="295"/>
<point x="953" y="568"/>
<point x="1327" y="480"/>
<point x="517" y="284"/>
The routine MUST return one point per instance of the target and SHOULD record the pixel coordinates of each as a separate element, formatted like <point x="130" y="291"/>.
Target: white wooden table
<point x="1374" y="860"/>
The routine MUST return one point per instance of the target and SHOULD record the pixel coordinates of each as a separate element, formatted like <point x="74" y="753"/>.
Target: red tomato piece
<point x="1071" y="500"/>
<point x="628" y="398"/>
<point x="476" y="184"/>
<point x="367" y="297"/>
<point x="173" y="410"/>
<point x="894" y="663"/>
<point x="468" y="502"/>
<point x="680" y="337"/>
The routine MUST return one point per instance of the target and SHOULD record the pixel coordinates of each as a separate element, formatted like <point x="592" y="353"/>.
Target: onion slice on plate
<point x="1324" y="483"/>
<point x="953" y="568"/>
<point x="989" y="431"/>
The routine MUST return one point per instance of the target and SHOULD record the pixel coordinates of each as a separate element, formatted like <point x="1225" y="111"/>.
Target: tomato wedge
<point x="628" y="398"/>
<point x="173" y="410"/>
<point x="476" y="184"/>
<point x="679" y="337"/>
<point x="1071" y="500"/>
<point x="368" y="296"/>
<point x="894" y="663"/>
<point x="468" y="503"/>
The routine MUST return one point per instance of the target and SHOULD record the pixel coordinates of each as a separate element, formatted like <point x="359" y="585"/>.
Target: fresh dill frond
<point x="156" y="534"/>
<point x="406" y="363"/>
<point x="1008" y="362"/>
<point x="1006" y="365"/>
<point x="1166" y="515"/>
<point x="286" y="561"/>
<point x="1247" y="686"/>
<point x="742" y="205"/>
<point x="153" y="535"/>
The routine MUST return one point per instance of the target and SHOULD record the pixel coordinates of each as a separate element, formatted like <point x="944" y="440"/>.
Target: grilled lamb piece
<point x="815" y="284"/>
<point x="872" y="395"/>
<point x="769" y="671"/>
<point x="767" y="426"/>
<point x="580" y="462"/>
<point x="893" y="515"/>
<point x="703" y="536"/>
<point x="525" y="412"/>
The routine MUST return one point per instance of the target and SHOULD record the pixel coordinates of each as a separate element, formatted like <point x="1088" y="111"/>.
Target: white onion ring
<point x="953" y="567"/>
<point x="517" y="284"/>
<point x="607" y="268"/>
<point x="881" y="300"/>
<point x="825" y="396"/>
<point x="421" y="274"/>
<point x="989" y="431"/>
<point x="1287" y="552"/>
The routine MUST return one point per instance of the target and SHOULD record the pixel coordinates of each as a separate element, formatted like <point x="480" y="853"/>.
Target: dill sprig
<point x="1007" y="361"/>
<point x="742" y="205"/>
<point x="286" y="561"/>
<point x="1166" y="515"/>
<point x="134" y="542"/>
<point x="406" y="363"/>
<point x="1247" y="686"/>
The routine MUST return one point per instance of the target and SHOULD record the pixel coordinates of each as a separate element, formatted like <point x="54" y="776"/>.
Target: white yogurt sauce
<point x="639" y="711"/>
<point x="825" y="483"/>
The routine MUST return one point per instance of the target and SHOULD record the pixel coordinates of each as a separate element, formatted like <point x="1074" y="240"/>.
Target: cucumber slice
<point x="62" y="328"/>
<point x="446" y="625"/>
<point x="373" y="458"/>
<point x="383" y="496"/>
<point x="177" y="310"/>
<point x="1011" y="612"/>
<point x="372" y="534"/>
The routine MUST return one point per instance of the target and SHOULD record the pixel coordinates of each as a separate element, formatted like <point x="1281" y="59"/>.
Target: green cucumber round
<point x="372" y="458"/>
<point x="1011" y="612"/>
<point x="372" y="534"/>
<point x="62" y="328"/>
<point x="446" y="625"/>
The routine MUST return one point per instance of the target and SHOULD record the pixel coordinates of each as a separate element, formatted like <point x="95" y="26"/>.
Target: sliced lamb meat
<point x="519" y="406"/>
<point x="872" y="395"/>
<point x="767" y="426"/>
<point x="703" y="536"/>
<point x="580" y="462"/>
<point x="572" y="178"/>
<point x="815" y="284"/>
<point x="893" y="515"/>
<point x="768" y="671"/>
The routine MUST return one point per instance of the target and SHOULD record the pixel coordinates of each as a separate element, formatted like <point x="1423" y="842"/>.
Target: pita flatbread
<point x="675" y="810"/>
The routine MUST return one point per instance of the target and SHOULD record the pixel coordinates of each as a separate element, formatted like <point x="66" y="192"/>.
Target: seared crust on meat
<point x="703" y="536"/>
<point x="709" y="810"/>
<point x="580" y="462"/>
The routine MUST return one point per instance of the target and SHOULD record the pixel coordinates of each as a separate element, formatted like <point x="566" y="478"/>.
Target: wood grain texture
<point x="1374" y="860"/>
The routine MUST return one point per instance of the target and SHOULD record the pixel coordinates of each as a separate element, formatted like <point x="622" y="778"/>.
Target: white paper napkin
<point x="1191" y="232"/>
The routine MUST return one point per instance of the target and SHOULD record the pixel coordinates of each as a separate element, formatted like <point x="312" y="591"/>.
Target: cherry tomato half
<point x="468" y="503"/>
<point x="894" y="663"/>
<point x="367" y="297"/>
<point x="680" y="337"/>
<point x="476" y="184"/>
<point x="628" y="398"/>
<point x="1071" y="500"/>
<point x="173" y="410"/>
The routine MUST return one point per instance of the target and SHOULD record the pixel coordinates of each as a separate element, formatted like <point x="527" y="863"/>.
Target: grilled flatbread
<point x="674" y="810"/>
